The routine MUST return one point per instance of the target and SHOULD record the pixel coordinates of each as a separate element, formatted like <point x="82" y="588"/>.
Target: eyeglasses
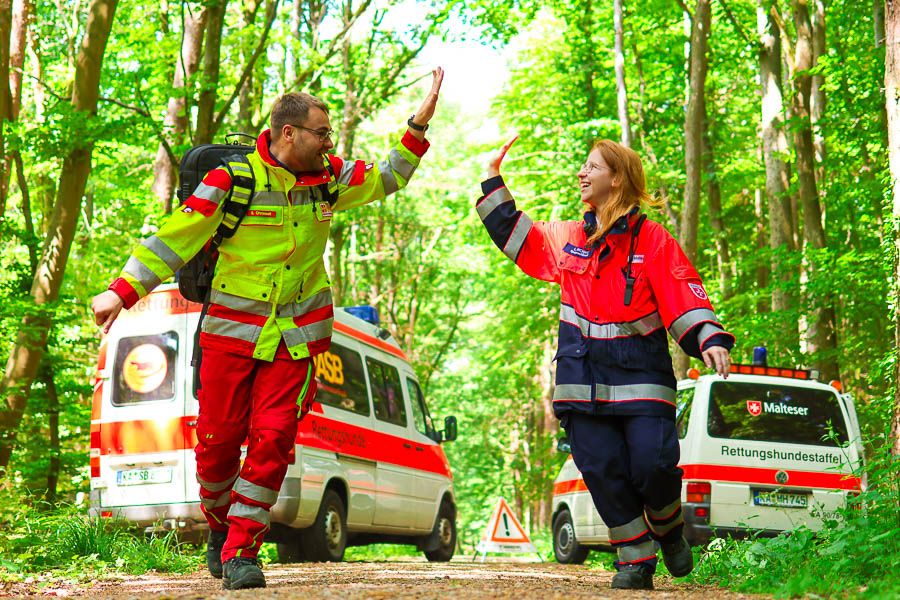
<point x="587" y="167"/>
<point x="319" y="133"/>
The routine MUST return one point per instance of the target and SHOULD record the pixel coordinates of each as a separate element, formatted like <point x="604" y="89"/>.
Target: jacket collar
<point x="263" y="144"/>
<point x="622" y="224"/>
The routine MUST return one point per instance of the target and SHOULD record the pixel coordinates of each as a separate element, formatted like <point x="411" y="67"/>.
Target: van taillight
<point x="95" y="450"/>
<point x="698" y="492"/>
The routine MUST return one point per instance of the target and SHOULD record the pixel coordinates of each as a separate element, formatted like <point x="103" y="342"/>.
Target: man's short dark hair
<point x="293" y="109"/>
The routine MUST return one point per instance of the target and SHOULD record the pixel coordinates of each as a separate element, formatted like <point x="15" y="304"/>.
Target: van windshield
<point x="775" y="413"/>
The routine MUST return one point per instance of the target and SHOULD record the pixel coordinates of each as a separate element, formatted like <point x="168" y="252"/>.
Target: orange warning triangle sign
<point x="506" y="527"/>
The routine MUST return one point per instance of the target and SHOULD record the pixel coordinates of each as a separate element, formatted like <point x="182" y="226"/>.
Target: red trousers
<point x="241" y="399"/>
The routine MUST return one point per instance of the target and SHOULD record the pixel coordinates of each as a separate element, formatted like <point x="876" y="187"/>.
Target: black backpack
<point x="195" y="277"/>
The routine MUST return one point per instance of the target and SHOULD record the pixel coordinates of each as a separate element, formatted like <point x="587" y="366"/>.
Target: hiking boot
<point x="214" y="552"/>
<point x="242" y="573"/>
<point x="632" y="577"/>
<point x="678" y="557"/>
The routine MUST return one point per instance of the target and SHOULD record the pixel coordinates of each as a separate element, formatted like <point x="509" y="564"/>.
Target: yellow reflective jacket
<point x="270" y="282"/>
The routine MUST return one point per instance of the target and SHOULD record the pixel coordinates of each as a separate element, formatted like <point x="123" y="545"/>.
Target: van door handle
<point x="191" y="423"/>
<point x="420" y="449"/>
<point x="407" y="446"/>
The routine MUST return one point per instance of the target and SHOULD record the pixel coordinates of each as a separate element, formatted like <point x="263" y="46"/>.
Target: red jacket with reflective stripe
<point x="612" y="358"/>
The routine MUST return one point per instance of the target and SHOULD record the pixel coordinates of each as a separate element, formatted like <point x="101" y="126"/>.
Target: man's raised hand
<point x="426" y="110"/>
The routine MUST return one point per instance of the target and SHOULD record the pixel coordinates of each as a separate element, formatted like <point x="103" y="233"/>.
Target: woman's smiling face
<point x="596" y="179"/>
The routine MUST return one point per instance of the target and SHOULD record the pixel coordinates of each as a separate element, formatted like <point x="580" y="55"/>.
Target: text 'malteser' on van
<point x="368" y="464"/>
<point x="764" y="451"/>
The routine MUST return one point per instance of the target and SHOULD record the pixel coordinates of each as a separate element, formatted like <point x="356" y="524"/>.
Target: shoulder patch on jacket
<point x="579" y="252"/>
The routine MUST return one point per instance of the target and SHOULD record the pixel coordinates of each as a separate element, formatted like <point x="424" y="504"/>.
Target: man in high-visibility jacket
<point x="270" y="308"/>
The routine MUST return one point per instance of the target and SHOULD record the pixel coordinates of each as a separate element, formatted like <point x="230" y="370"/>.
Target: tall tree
<point x="892" y="105"/>
<point x="25" y="356"/>
<point x="5" y="97"/>
<point x="175" y="123"/>
<point x="621" y="89"/>
<point x="209" y="82"/>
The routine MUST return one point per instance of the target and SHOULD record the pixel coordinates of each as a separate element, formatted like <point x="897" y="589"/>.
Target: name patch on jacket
<point x="579" y="252"/>
<point x="263" y="214"/>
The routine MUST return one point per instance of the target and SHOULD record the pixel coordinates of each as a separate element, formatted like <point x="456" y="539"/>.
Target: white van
<point x="764" y="451"/>
<point x="368" y="464"/>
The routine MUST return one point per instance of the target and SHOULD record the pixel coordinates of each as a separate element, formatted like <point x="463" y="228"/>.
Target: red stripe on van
<point x="368" y="339"/>
<point x="315" y="431"/>
<point x="165" y="302"/>
<point x="764" y="476"/>
<point x="568" y="487"/>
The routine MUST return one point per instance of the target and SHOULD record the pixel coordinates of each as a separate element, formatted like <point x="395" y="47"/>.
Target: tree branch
<point x="685" y="9"/>
<point x="737" y="26"/>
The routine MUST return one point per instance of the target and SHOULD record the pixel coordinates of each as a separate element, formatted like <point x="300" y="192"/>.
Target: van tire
<point x="326" y="539"/>
<point x="445" y="532"/>
<point x="566" y="548"/>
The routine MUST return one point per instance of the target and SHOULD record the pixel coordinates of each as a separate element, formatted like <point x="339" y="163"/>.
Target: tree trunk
<point x="22" y="10"/>
<point x="878" y="21"/>
<point x="5" y="98"/>
<point x="53" y="424"/>
<point x="817" y="95"/>
<point x="820" y="334"/>
<point x="176" y="121"/>
<point x="892" y="106"/>
<point x="693" y="128"/>
<point x="621" y="89"/>
<point x="763" y="304"/>
<point x="206" y="104"/>
<point x="714" y="193"/>
<point x="25" y="356"/>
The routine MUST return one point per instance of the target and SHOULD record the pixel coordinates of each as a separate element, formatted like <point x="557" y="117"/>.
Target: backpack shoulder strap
<point x="236" y="203"/>
<point x="324" y="190"/>
<point x="629" y="279"/>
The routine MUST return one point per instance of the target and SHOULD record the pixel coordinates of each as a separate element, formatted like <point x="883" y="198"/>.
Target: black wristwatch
<point x="413" y="125"/>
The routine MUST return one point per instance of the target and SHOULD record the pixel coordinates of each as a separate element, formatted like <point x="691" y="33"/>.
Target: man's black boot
<point x="678" y="557"/>
<point x="214" y="552"/>
<point x="632" y="577"/>
<point x="242" y="573"/>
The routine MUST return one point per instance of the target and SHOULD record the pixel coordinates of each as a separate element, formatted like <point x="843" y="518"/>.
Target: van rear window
<point x="773" y="413"/>
<point x="145" y="368"/>
<point x="341" y="381"/>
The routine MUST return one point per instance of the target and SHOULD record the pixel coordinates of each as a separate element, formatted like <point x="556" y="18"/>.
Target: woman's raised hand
<point x="493" y="168"/>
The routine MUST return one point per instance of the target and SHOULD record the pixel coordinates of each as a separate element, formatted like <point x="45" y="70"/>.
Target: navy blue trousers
<point x="630" y="467"/>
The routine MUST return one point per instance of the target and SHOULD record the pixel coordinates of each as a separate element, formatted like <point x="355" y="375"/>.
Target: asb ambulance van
<point x="368" y="464"/>
<point x="764" y="451"/>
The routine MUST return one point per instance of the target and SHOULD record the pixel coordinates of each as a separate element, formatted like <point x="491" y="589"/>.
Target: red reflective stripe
<point x="414" y="144"/>
<point x="218" y="178"/>
<point x="372" y="341"/>
<point x="359" y="173"/>
<point x="766" y="476"/>
<point x="223" y="312"/>
<point x="315" y="431"/>
<point x="126" y="292"/>
<point x="337" y="163"/>
<point x="201" y="205"/>
<point x="569" y="487"/>
<point x="315" y="316"/>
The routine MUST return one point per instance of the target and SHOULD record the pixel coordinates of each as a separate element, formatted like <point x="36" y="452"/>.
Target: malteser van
<point x="368" y="464"/>
<point x="766" y="450"/>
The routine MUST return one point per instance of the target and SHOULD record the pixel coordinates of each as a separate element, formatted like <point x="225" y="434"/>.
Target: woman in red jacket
<point x="624" y="283"/>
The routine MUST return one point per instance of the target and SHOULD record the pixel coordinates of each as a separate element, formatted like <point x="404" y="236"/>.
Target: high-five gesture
<point x="493" y="167"/>
<point x="419" y="121"/>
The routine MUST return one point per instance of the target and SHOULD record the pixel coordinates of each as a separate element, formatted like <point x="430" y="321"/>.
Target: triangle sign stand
<point x="504" y="533"/>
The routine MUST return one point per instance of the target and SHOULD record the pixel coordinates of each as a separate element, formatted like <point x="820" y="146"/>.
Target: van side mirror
<point x="450" y="430"/>
<point x="562" y="445"/>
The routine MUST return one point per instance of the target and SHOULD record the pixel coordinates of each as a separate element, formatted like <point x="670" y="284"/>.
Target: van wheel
<point x="565" y="547"/>
<point x="445" y="529"/>
<point x="290" y="552"/>
<point x="326" y="540"/>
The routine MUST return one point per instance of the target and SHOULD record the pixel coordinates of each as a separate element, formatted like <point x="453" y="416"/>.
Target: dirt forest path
<point x="388" y="580"/>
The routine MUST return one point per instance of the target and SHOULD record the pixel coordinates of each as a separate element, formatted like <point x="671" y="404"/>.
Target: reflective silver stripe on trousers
<point x="251" y="491"/>
<point x="661" y="530"/>
<point x="245" y="511"/>
<point x="308" y="333"/>
<point x="708" y="330"/>
<point x="608" y="331"/>
<point x="347" y="172"/>
<point x="629" y="531"/>
<point x="626" y="554"/>
<point x="165" y="254"/>
<point x="388" y="181"/>
<point x="211" y="503"/>
<point x="265" y="198"/>
<point x="572" y="392"/>
<point x="139" y="271"/>
<point x="664" y="512"/>
<point x="254" y="307"/>
<point x="401" y="165"/>
<point x="634" y="391"/>
<point x="217" y="486"/>
<point x="232" y="329"/>
<point x="209" y="192"/>
<point x="682" y="324"/>
<point x="517" y="237"/>
<point x="492" y="201"/>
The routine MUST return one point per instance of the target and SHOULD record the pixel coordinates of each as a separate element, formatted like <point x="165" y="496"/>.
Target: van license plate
<point x="780" y="499"/>
<point x="144" y="476"/>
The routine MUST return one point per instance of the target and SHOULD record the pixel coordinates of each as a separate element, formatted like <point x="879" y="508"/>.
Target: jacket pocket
<point x="573" y="264"/>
